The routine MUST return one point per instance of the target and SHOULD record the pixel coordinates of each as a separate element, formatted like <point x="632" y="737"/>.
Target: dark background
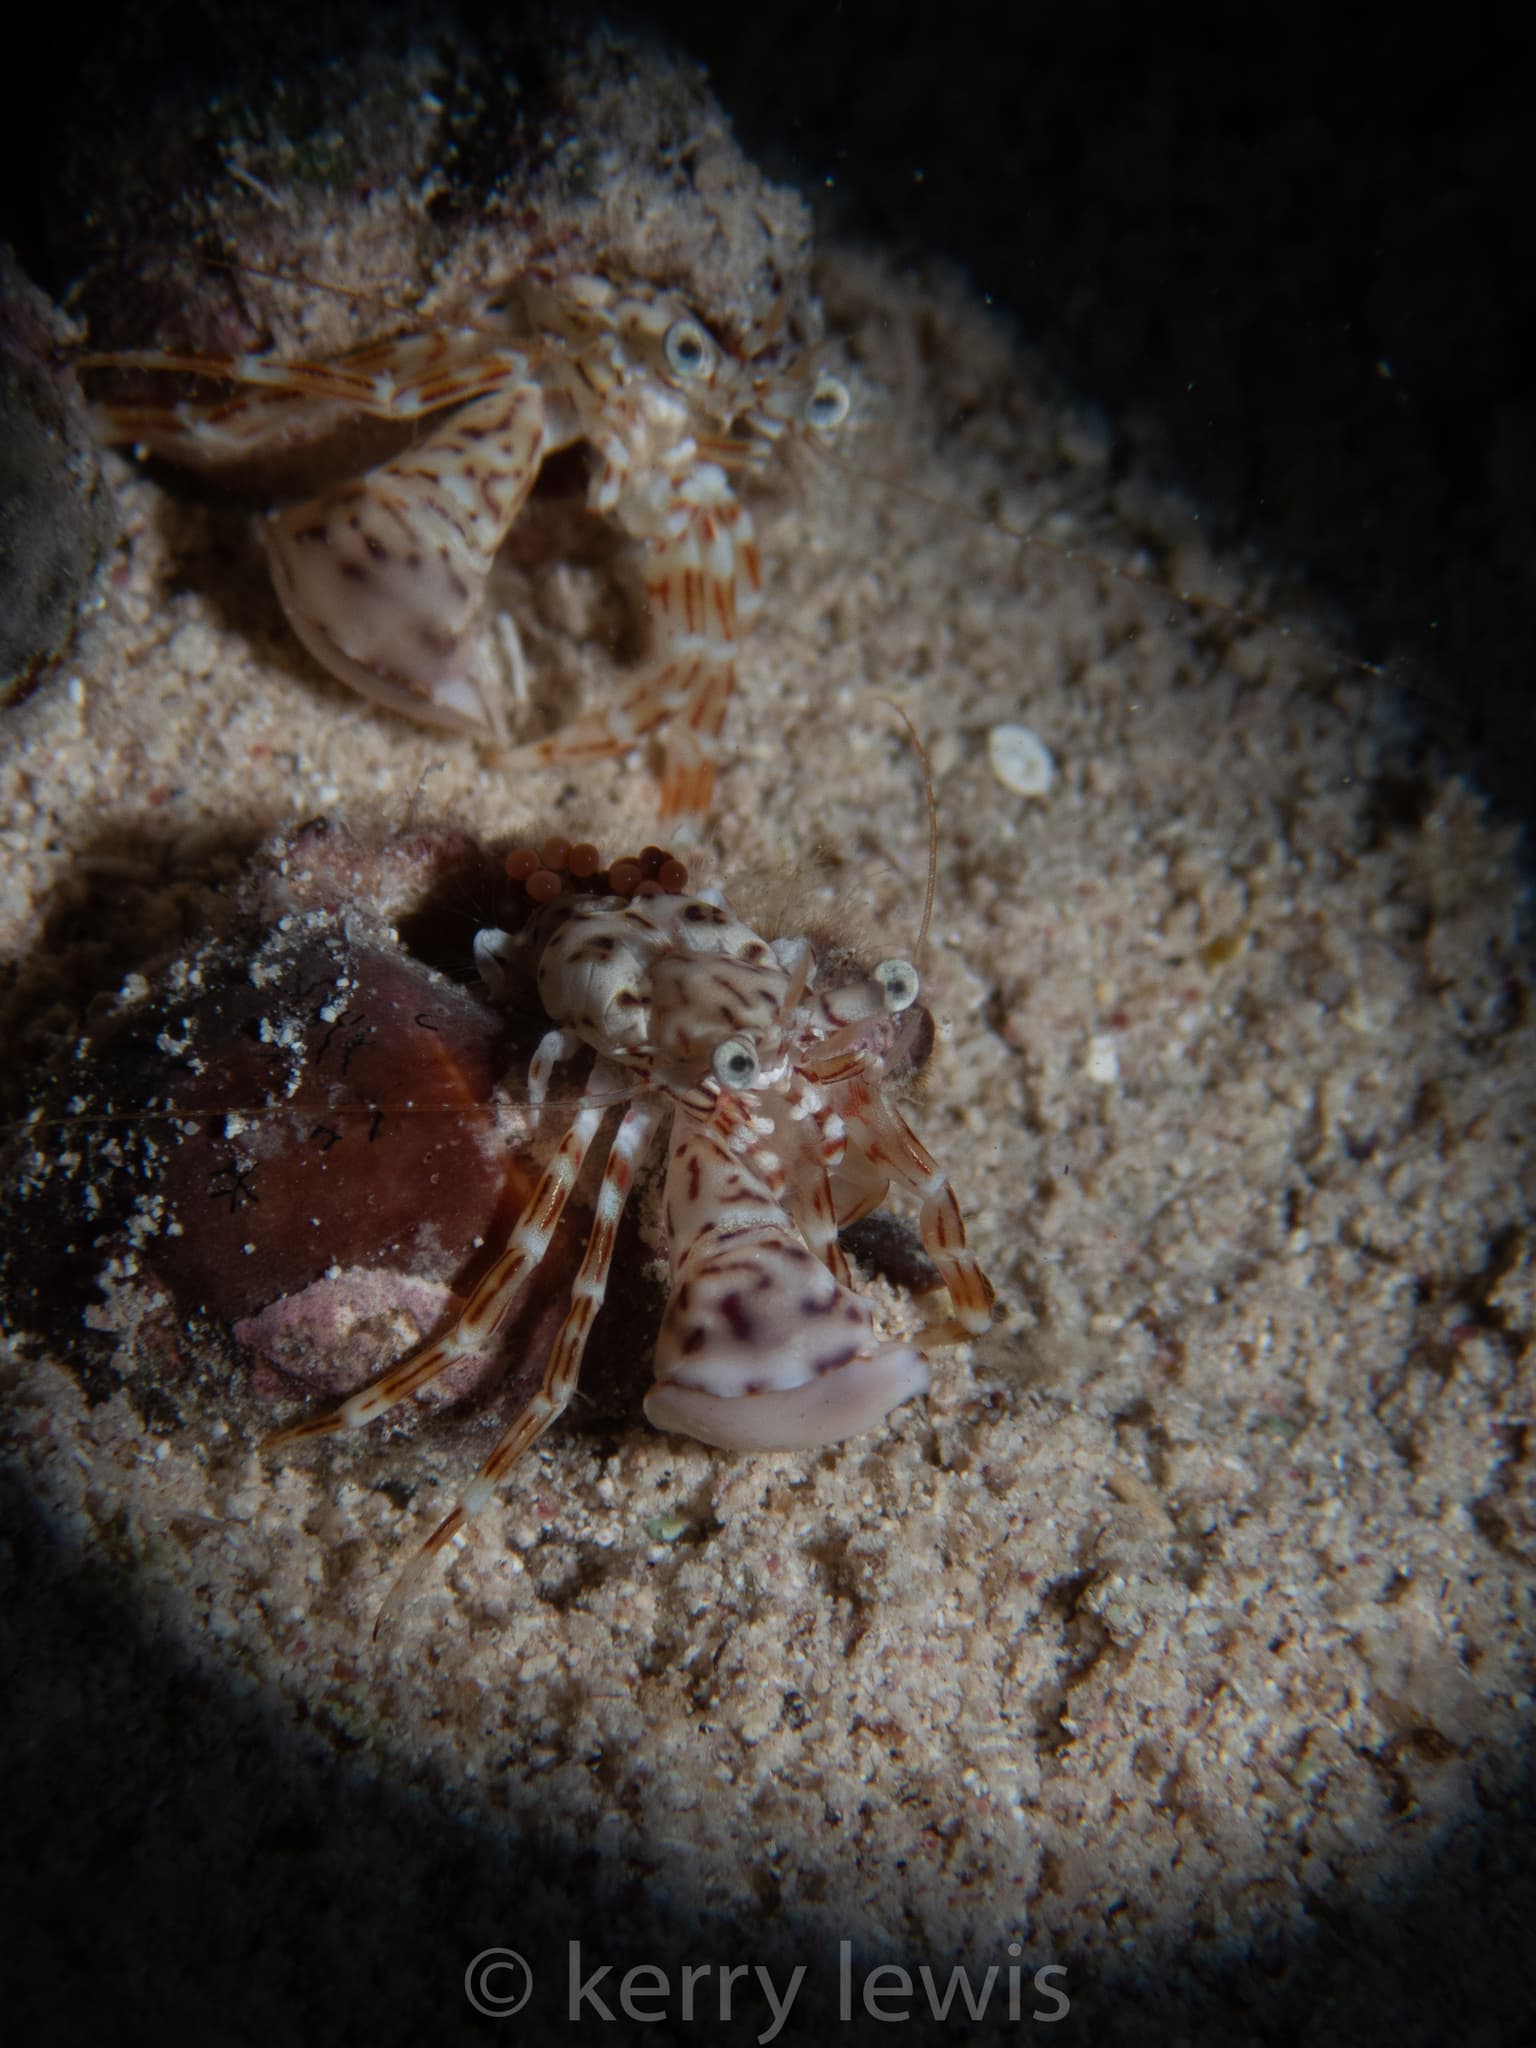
<point x="1289" y="256"/>
<point x="1288" y="250"/>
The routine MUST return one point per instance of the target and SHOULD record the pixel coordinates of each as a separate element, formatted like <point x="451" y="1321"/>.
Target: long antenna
<point x="933" y="824"/>
<point x="1198" y="604"/>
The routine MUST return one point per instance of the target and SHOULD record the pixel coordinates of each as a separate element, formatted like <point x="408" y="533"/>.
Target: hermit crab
<point x="776" y="1093"/>
<point x="328" y="1113"/>
<point x="383" y="575"/>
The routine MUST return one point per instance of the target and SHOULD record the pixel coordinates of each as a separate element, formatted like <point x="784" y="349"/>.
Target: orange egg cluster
<point x="553" y="869"/>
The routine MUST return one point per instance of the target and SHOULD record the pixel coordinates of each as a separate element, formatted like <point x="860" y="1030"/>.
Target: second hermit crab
<point x="383" y="576"/>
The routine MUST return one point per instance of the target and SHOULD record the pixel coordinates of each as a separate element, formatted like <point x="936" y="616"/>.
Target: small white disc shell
<point x="1021" y="760"/>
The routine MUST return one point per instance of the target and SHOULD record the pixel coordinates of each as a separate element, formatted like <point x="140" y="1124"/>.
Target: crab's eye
<point x="827" y="406"/>
<point x="688" y="349"/>
<point x="735" y="1063"/>
<point x="898" y="978"/>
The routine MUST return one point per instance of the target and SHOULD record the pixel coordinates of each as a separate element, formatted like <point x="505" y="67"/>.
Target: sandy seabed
<point x="1184" y="1628"/>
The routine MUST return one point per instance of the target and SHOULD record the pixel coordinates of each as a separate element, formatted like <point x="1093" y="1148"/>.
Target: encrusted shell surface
<point x="290" y="1133"/>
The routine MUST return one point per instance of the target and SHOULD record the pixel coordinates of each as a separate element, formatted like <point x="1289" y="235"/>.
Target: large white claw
<point x="763" y="1348"/>
<point x="846" y="1401"/>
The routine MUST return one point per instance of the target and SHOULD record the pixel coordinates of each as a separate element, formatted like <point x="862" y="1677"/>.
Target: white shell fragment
<point x="1021" y="760"/>
<point x="1101" y="1062"/>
